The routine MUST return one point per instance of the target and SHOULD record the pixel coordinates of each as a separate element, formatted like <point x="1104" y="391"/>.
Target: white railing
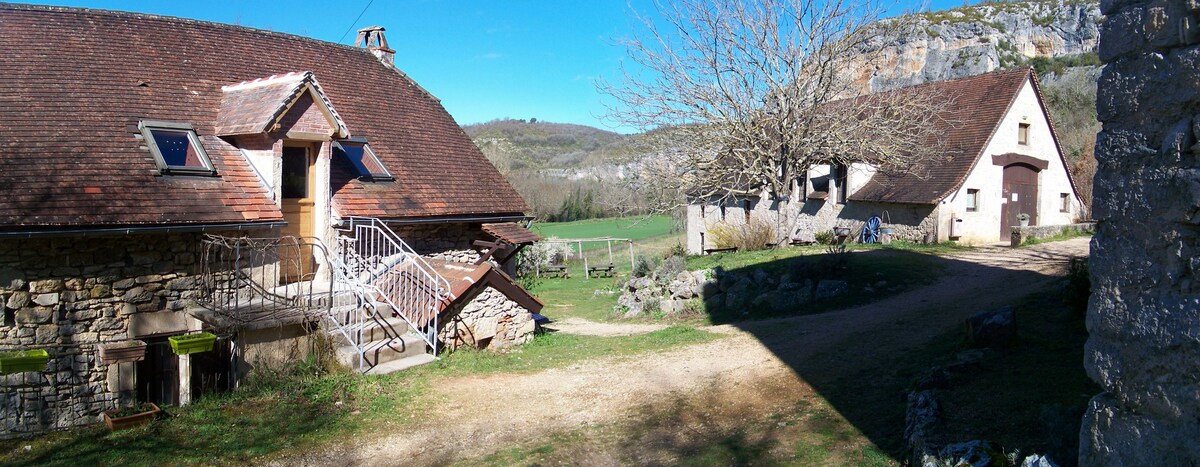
<point x="374" y="258"/>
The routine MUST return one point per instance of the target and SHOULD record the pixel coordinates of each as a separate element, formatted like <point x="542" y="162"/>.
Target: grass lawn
<point x="634" y="228"/>
<point x="310" y="405"/>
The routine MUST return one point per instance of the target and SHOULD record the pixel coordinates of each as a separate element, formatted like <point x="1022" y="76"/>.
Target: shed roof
<point x="76" y="82"/>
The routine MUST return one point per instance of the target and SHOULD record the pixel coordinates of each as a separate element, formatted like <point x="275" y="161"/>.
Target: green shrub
<point x="1079" y="286"/>
<point x="824" y="237"/>
<point x="643" y="266"/>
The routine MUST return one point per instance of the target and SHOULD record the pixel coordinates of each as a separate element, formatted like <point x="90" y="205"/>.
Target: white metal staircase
<point x="377" y="298"/>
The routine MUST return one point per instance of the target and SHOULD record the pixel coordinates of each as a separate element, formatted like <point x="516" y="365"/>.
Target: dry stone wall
<point x="490" y="320"/>
<point x="1144" y="314"/>
<point x="67" y="295"/>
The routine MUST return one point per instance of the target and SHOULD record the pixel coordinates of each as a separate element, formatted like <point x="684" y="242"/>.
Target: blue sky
<point x="483" y="59"/>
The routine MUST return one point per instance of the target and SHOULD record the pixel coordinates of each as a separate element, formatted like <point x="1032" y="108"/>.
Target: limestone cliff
<point x="976" y="39"/>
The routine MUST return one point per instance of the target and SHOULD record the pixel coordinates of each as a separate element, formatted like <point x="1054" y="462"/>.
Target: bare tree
<point x="747" y="94"/>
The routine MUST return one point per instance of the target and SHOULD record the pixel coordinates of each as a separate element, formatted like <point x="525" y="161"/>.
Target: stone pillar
<point x="1144" y="315"/>
<point x="185" y="380"/>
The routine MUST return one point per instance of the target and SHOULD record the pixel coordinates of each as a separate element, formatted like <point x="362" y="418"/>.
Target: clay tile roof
<point x="253" y="107"/>
<point x="512" y="233"/>
<point x="74" y="83"/>
<point x="979" y="104"/>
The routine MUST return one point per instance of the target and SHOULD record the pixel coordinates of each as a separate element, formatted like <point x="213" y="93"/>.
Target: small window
<point x="722" y="211"/>
<point x="840" y="175"/>
<point x="972" y="199"/>
<point x="1023" y="133"/>
<point x="703" y="209"/>
<point x="359" y="154"/>
<point x="1066" y="202"/>
<point x="747" y="206"/>
<point x="176" y="148"/>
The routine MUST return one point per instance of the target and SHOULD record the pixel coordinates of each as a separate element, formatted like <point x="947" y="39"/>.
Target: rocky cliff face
<point x="972" y="40"/>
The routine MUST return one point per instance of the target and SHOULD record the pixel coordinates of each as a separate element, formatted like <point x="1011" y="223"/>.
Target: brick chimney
<point x="372" y="38"/>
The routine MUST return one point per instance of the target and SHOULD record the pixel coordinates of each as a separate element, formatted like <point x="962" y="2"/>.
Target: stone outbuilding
<point x="1003" y="159"/>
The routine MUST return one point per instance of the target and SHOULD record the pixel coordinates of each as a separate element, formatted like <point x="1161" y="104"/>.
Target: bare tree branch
<point x="752" y="93"/>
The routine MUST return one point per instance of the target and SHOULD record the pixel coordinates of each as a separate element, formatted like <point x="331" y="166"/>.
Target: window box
<point x="130" y="417"/>
<point x="192" y="343"/>
<point x="128" y="351"/>
<point x="23" y="360"/>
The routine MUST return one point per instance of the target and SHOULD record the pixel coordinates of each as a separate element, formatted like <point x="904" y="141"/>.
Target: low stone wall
<point x="1021" y="234"/>
<point x="69" y="294"/>
<point x="490" y="320"/>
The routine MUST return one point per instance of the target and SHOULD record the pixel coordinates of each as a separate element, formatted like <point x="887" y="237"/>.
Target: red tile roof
<point x="979" y="103"/>
<point x="512" y="233"/>
<point x="253" y="107"/>
<point x="74" y="83"/>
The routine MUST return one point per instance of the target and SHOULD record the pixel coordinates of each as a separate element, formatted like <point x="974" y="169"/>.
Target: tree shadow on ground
<point x="863" y="360"/>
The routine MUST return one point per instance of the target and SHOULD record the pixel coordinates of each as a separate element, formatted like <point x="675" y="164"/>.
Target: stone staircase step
<point x="382" y="351"/>
<point x="401" y="364"/>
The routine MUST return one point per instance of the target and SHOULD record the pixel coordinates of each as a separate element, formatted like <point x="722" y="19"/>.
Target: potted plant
<point x="1023" y="219"/>
<point x="127" y="351"/>
<point x="135" y="415"/>
<point x="192" y="343"/>
<point x="23" y="360"/>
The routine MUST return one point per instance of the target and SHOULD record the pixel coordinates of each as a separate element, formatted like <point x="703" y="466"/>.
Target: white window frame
<point x="147" y="126"/>
<point x="972" y="200"/>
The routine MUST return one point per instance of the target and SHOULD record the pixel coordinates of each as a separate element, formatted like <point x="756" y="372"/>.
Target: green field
<point x="633" y="228"/>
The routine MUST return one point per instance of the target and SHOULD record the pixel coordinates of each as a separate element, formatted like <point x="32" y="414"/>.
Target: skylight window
<point x="176" y="148"/>
<point x="359" y="154"/>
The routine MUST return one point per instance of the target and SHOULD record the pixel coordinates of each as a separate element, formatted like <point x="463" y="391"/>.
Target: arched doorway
<point x="1020" y="196"/>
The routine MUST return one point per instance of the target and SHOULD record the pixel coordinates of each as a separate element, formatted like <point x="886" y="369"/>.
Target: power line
<point x="360" y="15"/>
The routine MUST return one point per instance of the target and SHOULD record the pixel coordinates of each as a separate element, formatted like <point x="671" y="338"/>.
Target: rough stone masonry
<point x="1144" y="315"/>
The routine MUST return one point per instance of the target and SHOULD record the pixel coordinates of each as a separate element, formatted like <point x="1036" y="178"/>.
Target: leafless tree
<point x="747" y="94"/>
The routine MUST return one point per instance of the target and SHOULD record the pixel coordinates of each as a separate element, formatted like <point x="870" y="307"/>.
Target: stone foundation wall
<point x="69" y="294"/>
<point x="911" y="223"/>
<point x="490" y="320"/>
<point x="450" y="242"/>
<point x="1020" y="234"/>
<point x="1144" y="313"/>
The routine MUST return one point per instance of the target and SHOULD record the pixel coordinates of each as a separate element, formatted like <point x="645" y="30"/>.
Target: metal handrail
<point x="252" y="279"/>
<point x="374" y="257"/>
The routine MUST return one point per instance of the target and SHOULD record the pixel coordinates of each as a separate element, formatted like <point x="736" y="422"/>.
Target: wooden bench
<point x="602" y="271"/>
<point x="556" y="270"/>
<point x="709" y="251"/>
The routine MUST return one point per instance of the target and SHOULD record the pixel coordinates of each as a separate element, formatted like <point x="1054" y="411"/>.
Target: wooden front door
<point x="1020" y="196"/>
<point x="298" y="199"/>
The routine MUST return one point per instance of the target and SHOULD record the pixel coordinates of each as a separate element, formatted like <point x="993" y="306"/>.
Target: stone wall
<point x="1021" y="234"/>
<point x="450" y="242"/>
<point x="69" y="294"/>
<point x="1144" y="314"/>
<point x="490" y="320"/>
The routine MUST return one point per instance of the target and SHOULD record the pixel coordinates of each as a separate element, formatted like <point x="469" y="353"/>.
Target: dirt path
<point x="482" y="414"/>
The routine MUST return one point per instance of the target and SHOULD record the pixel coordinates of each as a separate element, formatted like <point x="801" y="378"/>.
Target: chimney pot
<point x="371" y="38"/>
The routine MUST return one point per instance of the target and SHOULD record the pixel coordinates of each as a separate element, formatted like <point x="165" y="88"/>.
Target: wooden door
<point x="297" y="200"/>
<point x="1020" y="196"/>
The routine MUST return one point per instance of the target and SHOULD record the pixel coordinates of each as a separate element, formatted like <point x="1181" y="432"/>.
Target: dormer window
<point x="362" y="158"/>
<point x="176" y="148"/>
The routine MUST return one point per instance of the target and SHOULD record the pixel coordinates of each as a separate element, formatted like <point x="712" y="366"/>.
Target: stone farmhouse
<point x="1003" y="160"/>
<point x="162" y="177"/>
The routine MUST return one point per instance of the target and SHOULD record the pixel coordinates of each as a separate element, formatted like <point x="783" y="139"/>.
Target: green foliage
<point x="1079" y="286"/>
<point x="824" y="237"/>
<point x="678" y="250"/>
<point x="579" y="205"/>
<point x="1058" y="65"/>
<point x="643" y="266"/>
<point x="670" y="268"/>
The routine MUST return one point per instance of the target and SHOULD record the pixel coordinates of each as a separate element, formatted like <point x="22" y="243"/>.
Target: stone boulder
<point x="992" y="328"/>
<point x="971" y="453"/>
<point x="828" y="289"/>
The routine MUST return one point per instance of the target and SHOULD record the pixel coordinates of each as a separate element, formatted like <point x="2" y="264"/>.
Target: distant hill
<point x="515" y="145"/>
